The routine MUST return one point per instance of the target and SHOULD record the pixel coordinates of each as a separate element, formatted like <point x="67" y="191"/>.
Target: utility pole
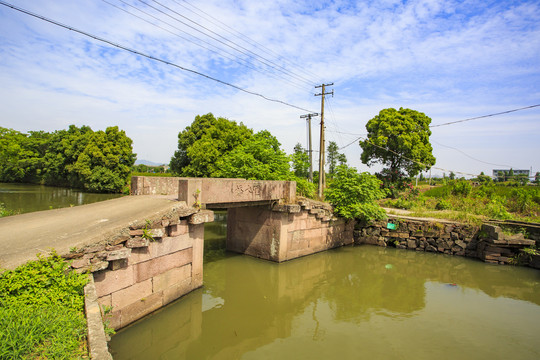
<point x="308" y="119"/>
<point x="322" y="180"/>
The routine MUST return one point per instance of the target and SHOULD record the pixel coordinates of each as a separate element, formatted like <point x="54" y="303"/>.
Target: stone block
<point x="179" y="229"/>
<point x="169" y="245"/>
<point x="138" y="309"/>
<point x="411" y="244"/>
<point x="131" y="294"/>
<point x="79" y="263"/>
<point x="118" y="264"/>
<point x="136" y="232"/>
<point x="139" y="255"/>
<point x="157" y="232"/>
<point x="171" y="277"/>
<point x="98" y="266"/>
<point x="177" y="290"/>
<point x="137" y="242"/>
<point x="110" y="281"/>
<point x="105" y="301"/>
<point x="118" y="254"/>
<point x="145" y="270"/>
<point x="94" y="248"/>
<point x="201" y="217"/>
<point x="114" y="247"/>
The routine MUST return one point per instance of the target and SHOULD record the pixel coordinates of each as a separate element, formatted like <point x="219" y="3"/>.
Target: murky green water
<point x="23" y="198"/>
<point x="360" y="302"/>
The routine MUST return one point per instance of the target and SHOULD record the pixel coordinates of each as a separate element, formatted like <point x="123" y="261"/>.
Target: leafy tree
<point x="300" y="161"/>
<point x="452" y="176"/>
<point x="202" y="143"/>
<point x="258" y="158"/>
<point x="78" y="157"/>
<point x="353" y="195"/>
<point x="334" y="158"/>
<point x="537" y="178"/>
<point x="399" y="140"/>
<point x="342" y="159"/>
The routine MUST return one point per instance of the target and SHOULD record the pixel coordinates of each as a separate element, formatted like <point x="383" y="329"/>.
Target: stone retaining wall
<point x="154" y="265"/>
<point x="286" y="232"/>
<point x="488" y="242"/>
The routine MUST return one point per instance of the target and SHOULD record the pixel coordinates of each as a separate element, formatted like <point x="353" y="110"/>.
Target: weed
<point x="42" y="311"/>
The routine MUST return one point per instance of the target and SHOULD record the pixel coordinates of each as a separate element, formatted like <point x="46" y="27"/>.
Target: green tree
<point x="300" y="161"/>
<point x="353" y="195"/>
<point x="399" y="140"/>
<point x="452" y="176"/>
<point x="537" y="178"/>
<point x="258" y="158"/>
<point x="11" y="153"/>
<point x="202" y="143"/>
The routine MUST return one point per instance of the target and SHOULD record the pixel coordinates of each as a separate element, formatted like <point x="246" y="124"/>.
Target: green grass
<point x="42" y="311"/>
<point x="460" y="201"/>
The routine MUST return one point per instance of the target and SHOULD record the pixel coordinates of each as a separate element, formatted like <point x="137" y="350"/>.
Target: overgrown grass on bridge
<point x="42" y="311"/>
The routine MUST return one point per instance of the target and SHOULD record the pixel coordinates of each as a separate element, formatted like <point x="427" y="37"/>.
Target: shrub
<point x="305" y="188"/>
<point x="461" y="188"/>
<point x="353" y="195"/>
<point x="443" y="205"/>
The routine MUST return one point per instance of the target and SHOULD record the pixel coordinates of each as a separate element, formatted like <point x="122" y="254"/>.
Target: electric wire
<point x="136" y="52"/>
<point x="244" y="38"/>
<point x="485" y="116"/>
<point x="232" y="57"/>
<point x="470" y="157"/>
<point x="253" y="56"/>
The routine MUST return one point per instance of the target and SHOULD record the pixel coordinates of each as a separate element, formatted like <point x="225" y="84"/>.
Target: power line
<point x="485" y="116"/>
<point x="136" y="52"/>
<point x="243" y="37"/>
<point x="467" y="155"/>
<point x="232" y="57"/>
<point x="253" y="56"/>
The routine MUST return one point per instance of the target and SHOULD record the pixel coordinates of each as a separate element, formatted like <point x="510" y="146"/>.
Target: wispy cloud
<point x="449" y="59"/>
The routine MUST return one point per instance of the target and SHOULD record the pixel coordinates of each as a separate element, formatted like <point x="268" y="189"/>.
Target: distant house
<point x="501" y="174"/>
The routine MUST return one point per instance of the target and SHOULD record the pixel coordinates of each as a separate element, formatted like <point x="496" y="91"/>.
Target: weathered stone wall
<point x="156" y="264"/>
<point x="488" y="242"/>
<point x="225" y="193"/>
<point x="154" y="185"/>
<point x="286" y="232"/>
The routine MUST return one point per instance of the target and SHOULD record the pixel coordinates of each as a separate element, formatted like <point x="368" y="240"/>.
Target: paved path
<point x="23" y="236"/>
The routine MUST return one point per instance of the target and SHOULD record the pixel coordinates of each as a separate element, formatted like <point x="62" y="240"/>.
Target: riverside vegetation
<point x="42" y="311"/>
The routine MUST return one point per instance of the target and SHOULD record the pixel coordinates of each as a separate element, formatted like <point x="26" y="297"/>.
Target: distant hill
<point x="148" y="163"/>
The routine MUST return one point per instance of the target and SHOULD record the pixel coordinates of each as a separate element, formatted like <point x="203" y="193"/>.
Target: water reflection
<point x="382" y="303"/>
<point x="23" y="198"/>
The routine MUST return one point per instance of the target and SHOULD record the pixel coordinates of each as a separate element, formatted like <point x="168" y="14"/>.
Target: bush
<point x="305" y="188"/>
<point x="461" y="188"/>
<point x="443" y="205"/>
<point x="353" y="195"/>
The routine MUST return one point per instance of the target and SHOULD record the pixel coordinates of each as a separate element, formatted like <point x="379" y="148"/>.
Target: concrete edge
<point x="97" y="341"/>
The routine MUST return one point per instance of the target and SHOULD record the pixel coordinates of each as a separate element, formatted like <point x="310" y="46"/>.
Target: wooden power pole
<point x="322" y="180"/>
<point x="310" y="150"/>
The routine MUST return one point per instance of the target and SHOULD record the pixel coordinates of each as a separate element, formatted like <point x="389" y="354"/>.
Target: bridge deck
<point x="23" y="236"/>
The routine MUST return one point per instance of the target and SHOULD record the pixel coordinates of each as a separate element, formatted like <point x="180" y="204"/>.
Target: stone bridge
<point x="145" y="251"/>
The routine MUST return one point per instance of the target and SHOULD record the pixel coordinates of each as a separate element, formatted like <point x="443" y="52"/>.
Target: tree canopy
<point x="97" y="161"/>
<point x="300" y="161"/>
<point x="217" y="147"/>
<point x="399" y="140"/>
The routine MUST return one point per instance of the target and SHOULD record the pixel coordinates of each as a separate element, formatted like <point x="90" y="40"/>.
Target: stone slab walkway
<point x="23" y="236"/>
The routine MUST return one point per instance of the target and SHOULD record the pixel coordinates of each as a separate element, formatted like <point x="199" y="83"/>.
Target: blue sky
<point x="451" y="60"/>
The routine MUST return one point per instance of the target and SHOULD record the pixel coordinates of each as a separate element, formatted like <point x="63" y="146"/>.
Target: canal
<point x="23" y="198"/>
<point x="358" y="302"/>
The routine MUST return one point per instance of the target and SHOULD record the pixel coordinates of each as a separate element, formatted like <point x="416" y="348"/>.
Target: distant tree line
<point x="97" y="161"/>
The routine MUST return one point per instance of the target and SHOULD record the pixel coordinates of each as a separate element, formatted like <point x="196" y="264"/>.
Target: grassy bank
<point x="42" y="311"/>
<point x="460" y="200"/>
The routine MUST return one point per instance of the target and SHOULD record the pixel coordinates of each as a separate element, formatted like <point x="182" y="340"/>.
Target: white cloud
<point x="449" y="59"/>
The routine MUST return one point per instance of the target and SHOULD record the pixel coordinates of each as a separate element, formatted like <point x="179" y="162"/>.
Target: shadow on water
<point x="382" y="303"/>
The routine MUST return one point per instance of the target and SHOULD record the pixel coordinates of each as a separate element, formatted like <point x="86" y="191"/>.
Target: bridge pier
<point x="285" y="232"/>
